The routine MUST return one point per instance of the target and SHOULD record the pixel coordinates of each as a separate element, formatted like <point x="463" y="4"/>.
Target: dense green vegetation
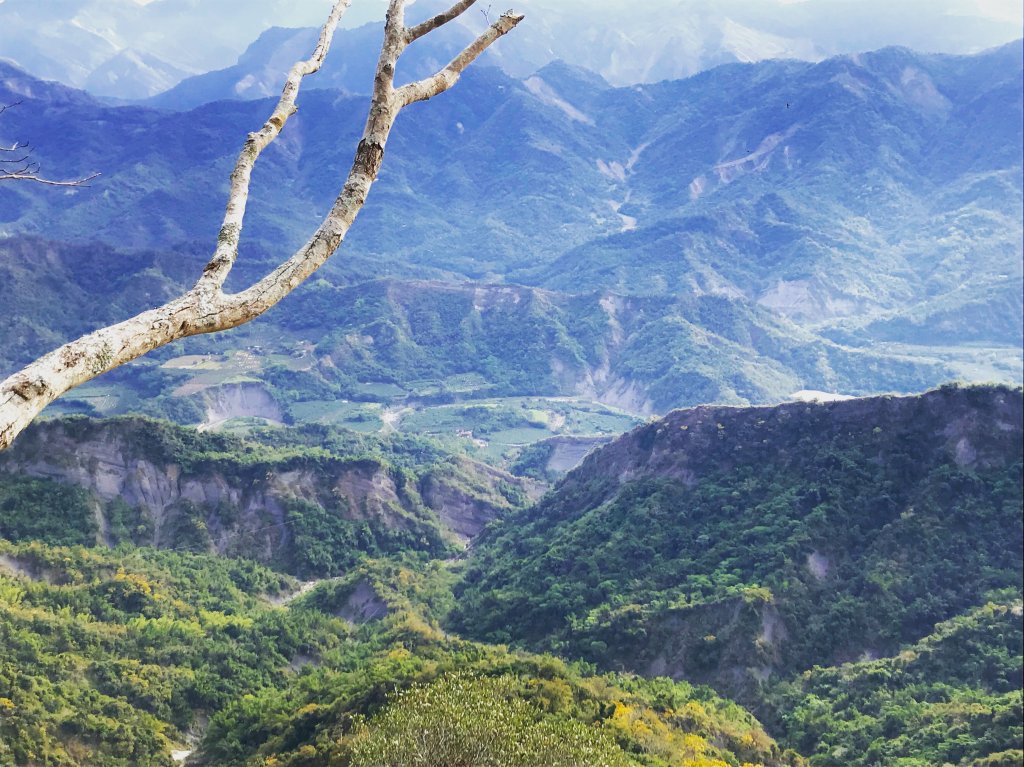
<point x="333" y="710"/>
<point x="952" y="698"/>
<point x="458" y="720"/>
<point x="113" y="658"/>
<point x="36" y="509"/>
<point x="311" y="501"/>
<point x="849" y="571"/>
<point x="341" y="348"/>
<point x="740" y="546"/>
<point x="764" y="498"/>
<point x="108" y="657"/>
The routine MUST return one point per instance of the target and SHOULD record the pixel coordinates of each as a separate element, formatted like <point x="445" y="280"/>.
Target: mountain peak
<point x="16" y="83"/>
<point x="562" y="74"/>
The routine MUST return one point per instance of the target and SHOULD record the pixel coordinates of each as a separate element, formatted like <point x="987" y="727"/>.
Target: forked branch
<point x="206" y="308"/>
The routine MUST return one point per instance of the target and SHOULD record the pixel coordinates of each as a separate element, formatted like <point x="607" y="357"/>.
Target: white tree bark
<point x="206" y="308"/>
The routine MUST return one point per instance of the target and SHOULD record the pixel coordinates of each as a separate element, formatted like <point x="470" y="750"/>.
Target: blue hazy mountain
<point x="879" y="194"/>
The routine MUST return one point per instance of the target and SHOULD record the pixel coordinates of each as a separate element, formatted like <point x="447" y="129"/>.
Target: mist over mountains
<point x="129" y="49"/>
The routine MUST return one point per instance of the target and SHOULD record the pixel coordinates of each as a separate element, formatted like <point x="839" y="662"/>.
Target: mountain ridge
<point x="713" y="196"/>
<point x="306" y="505"/>
<point x="642" y="353"/>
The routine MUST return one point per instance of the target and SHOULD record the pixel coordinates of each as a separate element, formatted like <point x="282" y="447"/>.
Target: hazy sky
<point x="70" y="39"/>
<point x="1010" y="11"/>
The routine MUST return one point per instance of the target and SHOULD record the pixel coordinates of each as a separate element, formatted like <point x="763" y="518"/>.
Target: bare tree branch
<point x="415" y="33"/>
<point x="31" y="176"/>
<point x="447" y="77"/>
<point x="29" y="170"/>
<point x="231" y="230"/>
<point x="206" y="308"/>
<point x="11" y="150"/>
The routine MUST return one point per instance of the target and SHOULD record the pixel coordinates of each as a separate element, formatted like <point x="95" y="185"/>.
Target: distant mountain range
<point x="875" y="197"/>
<point x="131" y="49"/>
<point x="641" y="354"/>
<point x="127" y="49"/>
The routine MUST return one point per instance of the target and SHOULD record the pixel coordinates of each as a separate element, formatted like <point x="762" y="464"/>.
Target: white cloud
<point x="1010" y="11"/>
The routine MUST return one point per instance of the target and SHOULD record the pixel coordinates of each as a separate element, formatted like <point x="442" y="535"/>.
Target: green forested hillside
<point x="421" y="344"/>
<point x="743" y="546"/>
<point x="119" y="658"/>
<point x="952" y="698"/>
<point x="110" y="658"/>
<point x="850" y="572"/>
<point x="309" y="501"/>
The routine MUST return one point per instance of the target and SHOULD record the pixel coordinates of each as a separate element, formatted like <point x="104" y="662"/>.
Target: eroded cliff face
<point x="241" y="400"/>
<point x="249" y="508"/>
<point x="975" y="428"/>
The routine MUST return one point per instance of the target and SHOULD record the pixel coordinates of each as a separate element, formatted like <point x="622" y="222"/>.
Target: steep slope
<point x="958" y="690"/>
<point x="310" y="502"/>
<point x="94" y="285"/>
<point x="816" y="188"/>
<point x="111" y="659"/>
<point x="738" y="546"/>
<point x="439" y="205"/>
<point x="642" y="354"/>
<point x="132" y="75"/>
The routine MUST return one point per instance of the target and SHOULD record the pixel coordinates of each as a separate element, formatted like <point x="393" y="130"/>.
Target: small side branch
<point x="32" y="175"/>
<point x="443" y="80"/>
<point x="415" y="33"/>
<point x="16" y="163"/>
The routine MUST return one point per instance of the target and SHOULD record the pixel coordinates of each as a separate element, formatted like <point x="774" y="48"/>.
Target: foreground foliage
<point x="952" y="698"/>
<point x="114" y="658"/>
<point x="109" y="656"/>
<point x="459" y="720"/>
<point x="741" y="548"/>
<point x="852" y="571"/>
